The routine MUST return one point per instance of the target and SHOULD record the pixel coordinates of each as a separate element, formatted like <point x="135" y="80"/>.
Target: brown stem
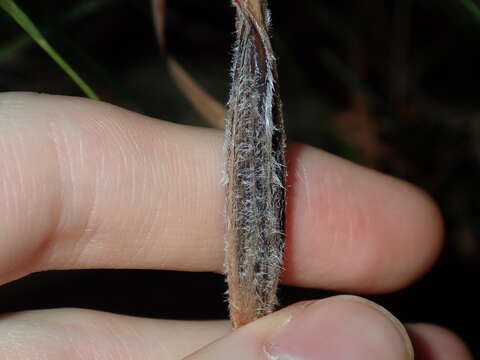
<point x="255" y="170"/>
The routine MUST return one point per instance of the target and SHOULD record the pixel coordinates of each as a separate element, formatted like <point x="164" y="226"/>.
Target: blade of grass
<point x="472" y="8"/>
<point x="345" y="75"/>
<point x="23" y="20"/>
<point x="86" y="8"/>
<point x="14" y="47"/>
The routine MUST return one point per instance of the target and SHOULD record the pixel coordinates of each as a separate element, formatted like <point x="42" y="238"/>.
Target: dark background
<point x="393" y="85"/>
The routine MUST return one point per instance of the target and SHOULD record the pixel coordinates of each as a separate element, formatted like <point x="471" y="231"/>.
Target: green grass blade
<point x="22" y="42"/>
<point x="472" y="8"/>
<point x="13" y="48"/>
<point x="345" y="75"/>
<point x="22" y="19"/>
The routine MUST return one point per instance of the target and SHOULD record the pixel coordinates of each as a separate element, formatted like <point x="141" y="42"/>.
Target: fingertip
<point x="433" y="342"/>
<point x="422" y="221"/>
<point x="341" y="327"/>
<point x="353" y="229"/>
<point x="334" y="328"/>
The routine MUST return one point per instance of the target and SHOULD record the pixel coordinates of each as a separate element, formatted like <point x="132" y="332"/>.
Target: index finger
<point x="88" y="185"/>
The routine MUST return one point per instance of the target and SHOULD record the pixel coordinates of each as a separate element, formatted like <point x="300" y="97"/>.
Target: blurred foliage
<point x="390" y="84"/>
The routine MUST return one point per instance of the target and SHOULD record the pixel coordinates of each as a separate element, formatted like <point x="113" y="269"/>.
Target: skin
<point x="88" y="185"/>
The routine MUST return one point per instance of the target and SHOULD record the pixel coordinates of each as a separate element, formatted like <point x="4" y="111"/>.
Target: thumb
<point x="342" y="327"/>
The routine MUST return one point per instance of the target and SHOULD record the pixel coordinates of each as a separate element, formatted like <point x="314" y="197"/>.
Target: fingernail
<point x="340" y="328"/>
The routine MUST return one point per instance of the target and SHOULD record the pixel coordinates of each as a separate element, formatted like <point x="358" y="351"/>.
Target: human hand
<point x="88" y="185"/>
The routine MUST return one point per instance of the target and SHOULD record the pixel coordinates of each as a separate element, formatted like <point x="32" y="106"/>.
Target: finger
<point x="341" y="327"/>
<point x="83" y="334"/>
<point x="336" y="328"/>
<point x="353" y="229"/>
<point x="433" y="342"/>
<point x="89" y="185"/>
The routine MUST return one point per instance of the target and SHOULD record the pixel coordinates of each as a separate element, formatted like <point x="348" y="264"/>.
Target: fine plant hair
<point x="255" y="170"/>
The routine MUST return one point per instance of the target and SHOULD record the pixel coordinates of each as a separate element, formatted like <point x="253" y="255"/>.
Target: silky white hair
<point x="255" y="171"/>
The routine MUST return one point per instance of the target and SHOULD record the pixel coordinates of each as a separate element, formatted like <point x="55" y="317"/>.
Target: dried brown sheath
<point x="210" y="109"/>
<point x="255" y="170"/>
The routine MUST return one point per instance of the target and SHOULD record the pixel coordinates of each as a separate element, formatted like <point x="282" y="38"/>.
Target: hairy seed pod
<point x="255" y="169"/>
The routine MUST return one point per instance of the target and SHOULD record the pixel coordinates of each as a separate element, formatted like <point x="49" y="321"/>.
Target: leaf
<point x="22" y="19"/>
<point x="208" y="107"/>
<point x="472" y="8"/>
<point x="255" y="170"/>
